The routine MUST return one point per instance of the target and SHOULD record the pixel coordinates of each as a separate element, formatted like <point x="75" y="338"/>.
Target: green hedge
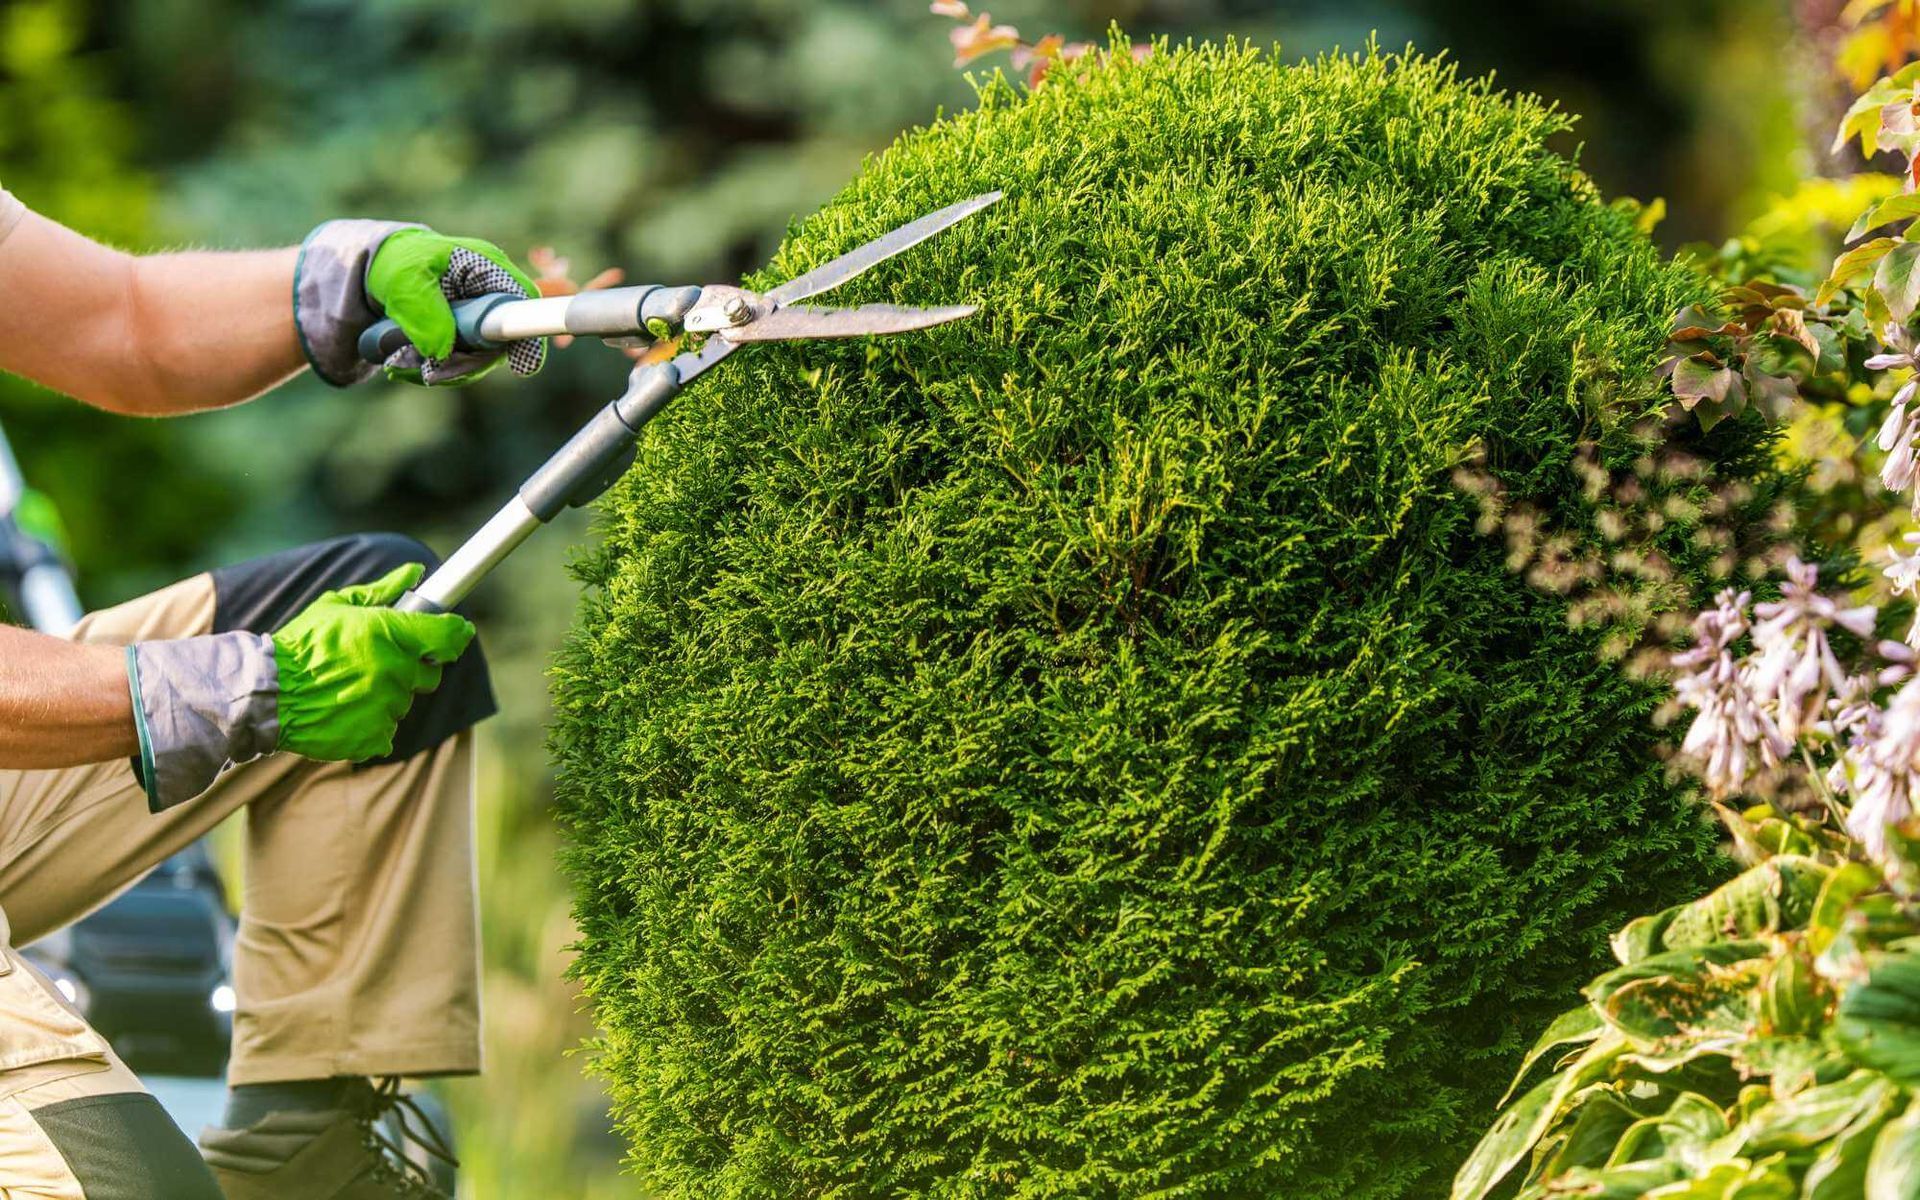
<point x="1087" y="750"/>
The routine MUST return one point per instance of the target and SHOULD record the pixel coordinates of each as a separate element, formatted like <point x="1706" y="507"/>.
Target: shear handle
<point x="489" y="322"/>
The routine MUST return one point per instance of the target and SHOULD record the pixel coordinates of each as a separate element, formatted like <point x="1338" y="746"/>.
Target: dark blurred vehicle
<point x="151" y="969"/>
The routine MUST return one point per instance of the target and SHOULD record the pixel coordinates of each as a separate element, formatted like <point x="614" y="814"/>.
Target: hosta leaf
<point x="1643" y="1141"/>
<point x="1685" y="1002"/>
<point x="1759" y="833"/>
<point x="1815" y="1115"/>
<point x="1613" y="1183"/>
<point x="1836" y="897"/>
<point x="1688" y="961"/>
<point x="1893" y="1168"/>
<point x="1903" y="207"/>
<point x="1597" y="1117"/>
<point x="1778" y="894"/>
<point x="1522" y="1124"/>
<point x="1840" y="1173"/>
<point x="1897" y="281"/>
<point x="1573" y="1026"/>
<point x="1793" y="1000"/>
<point x="1511" y="1137"/>
<point x="1641" y="938"/>
<point x="1737" y="1180"/>
<point x="1878" y="1021"/>
<point x="1694" y="1117"/>
<point x="1683" y="1134"/>
<point x="1792" y="1062"/>
<point x="1902" y="861"/>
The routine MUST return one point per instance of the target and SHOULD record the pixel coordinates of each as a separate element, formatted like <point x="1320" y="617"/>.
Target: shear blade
<point x="830" y="275"/>
<point x="799" y="322"/>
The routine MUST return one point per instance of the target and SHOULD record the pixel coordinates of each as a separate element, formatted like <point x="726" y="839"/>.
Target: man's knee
<point x="263" y="594"/>
<point x="375" y="554"/>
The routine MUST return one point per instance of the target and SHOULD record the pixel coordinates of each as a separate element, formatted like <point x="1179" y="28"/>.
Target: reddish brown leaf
<point x="1045" y="50"/>
<point x="981" y="37"/>
<point x="1791" y="323"/>
<point x="1695" y="333"/>
<point x="1695" y="380"/>
<point x="553" y="276"/>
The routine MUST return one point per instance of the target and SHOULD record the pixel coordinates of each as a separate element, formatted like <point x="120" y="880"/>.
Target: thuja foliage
<point x="1086" y="750"/>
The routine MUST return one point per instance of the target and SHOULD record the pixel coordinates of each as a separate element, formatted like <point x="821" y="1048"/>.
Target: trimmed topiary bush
<point x="1087" y="750"/>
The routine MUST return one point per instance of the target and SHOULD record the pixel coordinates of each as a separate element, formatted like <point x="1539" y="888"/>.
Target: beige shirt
<point x="11" y="211"/>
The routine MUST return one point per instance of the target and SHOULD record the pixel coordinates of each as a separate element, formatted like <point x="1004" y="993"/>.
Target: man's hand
<point x="352" y="273"/>
<point x="350" y="666"/>
<point x="173" y="333"/>
<point x="415" y="276"/>
<point x="332" y="684"/>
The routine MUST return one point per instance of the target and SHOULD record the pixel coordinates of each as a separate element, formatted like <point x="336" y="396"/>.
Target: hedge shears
<point x="729" y="317"/>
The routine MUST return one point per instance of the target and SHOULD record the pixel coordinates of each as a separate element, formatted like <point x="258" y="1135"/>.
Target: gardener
<point x="285" y="684"/>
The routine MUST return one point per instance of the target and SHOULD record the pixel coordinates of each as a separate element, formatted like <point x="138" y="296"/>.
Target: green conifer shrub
<point x="1087" y="750"/>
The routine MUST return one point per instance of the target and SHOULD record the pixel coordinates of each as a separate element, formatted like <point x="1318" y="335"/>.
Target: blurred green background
<point x="675" y="138"/>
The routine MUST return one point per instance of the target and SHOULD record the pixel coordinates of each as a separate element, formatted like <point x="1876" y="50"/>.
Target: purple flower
<point x="1880" y="765"/>
<point x="1794" y="666"/>
<point x="1897" y="434"/>
<point x="1733" y="732"/>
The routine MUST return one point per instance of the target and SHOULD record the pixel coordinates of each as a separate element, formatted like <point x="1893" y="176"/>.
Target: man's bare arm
<point x="62" y="704"/>
<point x="151" y="336"/>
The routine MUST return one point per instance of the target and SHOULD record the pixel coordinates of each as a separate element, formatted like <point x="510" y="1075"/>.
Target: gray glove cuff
<point x="330" y="306"/>
<point x="202" y="705"/>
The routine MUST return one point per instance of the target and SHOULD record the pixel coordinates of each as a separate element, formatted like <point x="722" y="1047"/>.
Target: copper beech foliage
<point x="1765" y="341"/>
<point x="977" y="34"/>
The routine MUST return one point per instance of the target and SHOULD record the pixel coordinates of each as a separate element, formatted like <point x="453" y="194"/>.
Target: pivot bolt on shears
<point x="603" y="449"/>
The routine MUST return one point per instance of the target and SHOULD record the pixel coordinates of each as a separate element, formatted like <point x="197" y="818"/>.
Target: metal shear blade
<point x="736" y="316"/>
<point x="831" y="274"/>
<point x="803" y="321"/>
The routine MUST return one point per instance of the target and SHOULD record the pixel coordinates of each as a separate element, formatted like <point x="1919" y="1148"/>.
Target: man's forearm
<point x="62" y="704"/>
<point x="163" y="334"/>
<point x="214" y="328"/>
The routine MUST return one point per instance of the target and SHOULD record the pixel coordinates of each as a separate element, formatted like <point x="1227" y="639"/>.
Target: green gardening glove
<point x="350" y="666"/>
<point x="414" y="277"/>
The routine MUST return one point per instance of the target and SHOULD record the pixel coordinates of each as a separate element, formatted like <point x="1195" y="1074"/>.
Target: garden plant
<point x="1090" y="750"/>
<point x="1764" y="1040"/>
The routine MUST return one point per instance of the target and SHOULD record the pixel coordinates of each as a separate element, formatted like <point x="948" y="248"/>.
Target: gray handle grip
<point x="490" y="322"/>
<point x="576" y="473"/>
<point x="379" y="341"/>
